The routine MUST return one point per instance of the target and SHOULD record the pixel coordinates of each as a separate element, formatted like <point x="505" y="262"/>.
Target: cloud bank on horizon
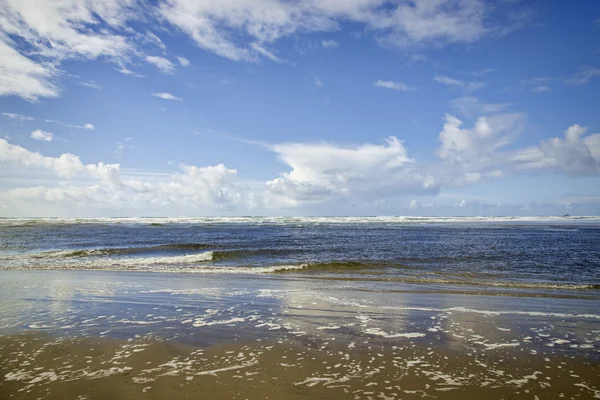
<point x="268" y="107"/>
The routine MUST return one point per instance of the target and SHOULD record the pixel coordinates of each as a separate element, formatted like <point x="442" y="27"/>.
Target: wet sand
<point x="106" y="335"/>
<point x="41" y="366"/>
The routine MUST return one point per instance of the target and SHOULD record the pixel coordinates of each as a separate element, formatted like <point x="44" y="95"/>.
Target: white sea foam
<point x="494" y="313"/>
<point x="379" y="332"/>
<point x="296" y="221"/>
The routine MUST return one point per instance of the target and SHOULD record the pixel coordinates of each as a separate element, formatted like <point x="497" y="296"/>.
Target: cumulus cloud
<point x="315" y="174"/>
<point x="88" y="126"/>
<point x="162" y="64"/>
<point x="399" y="86"/>
<point x="574" y="155"/>
<point x="474" y="149"/>
<point x="20" y="117"/>
<point x="323" y="171"/>
<point x="65" y="166"/>
<point x="166" y="96"/>
<point x="41" y="135"/>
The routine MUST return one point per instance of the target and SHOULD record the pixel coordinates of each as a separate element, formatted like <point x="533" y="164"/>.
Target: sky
<point x="308" y="107"/>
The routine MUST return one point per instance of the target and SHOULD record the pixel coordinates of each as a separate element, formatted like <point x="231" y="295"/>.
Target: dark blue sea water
<point x="549" y="257"/>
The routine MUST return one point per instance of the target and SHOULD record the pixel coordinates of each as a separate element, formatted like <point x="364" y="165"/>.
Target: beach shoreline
<point x="154" y="335"/>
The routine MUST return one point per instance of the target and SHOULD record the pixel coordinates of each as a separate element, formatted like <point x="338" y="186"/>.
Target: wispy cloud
<point x="538" y="84"/>
<point x="315" y="81"/>
<point x="469" y="86"/>
<point x="265" y="53"/>
<point x="483" y="72"/>
<point x="41" y="135"/>
<point x="183" y="61"/>
<point x="585" y="76"/>
<point x="18" y="116"/>
<point x="162" y="64"/>
<point x="471" y="106"/>
<point x="329" y="44"/>
<point x="121" y="146"/>
<point x="152" y="38"/>
<point x="399" y="86"/>
<point x="166" y="96"/>
<point x="87" y="126"/>
<point x="541" y="88"/>
<point x="91" y="85"/>
<point x="128" y="72"/>
<point x="448" y="81"/>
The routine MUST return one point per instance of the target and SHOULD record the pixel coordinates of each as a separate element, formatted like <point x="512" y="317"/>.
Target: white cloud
<point x="20" y="76"/>
<point x="468" y="86"/>
<point x="41" y="135"/>
<point x="91" y="85"/>
<point x="484" y="71"/>
<point x="18" y="116"/>
<point x="88" y="126"/>
<point x="448" y="81"/>
<point x="399" y="86"/>
<point x="540" y="88"/>
<point x="166" y="96"/>
<point x="65" y="166"/>
<point x="475" y="149"/>
<point x="574" y="155"/>
<point x="315" y="81"/>
<point x="121" y="146"/>
<point x="214" y="25"/>
<point x="60" y="30"/>
<point x="183" y="61"/>
<point x="329" y="44"/>
<point x="261" y="50"/>
<point x="472" y="86"/>
<point x="128" y="72"/>
<point x="585" y="76"/>
<point x="470" y="106"/>
<point x="152" y="38"/>
<point x="53" y="31"/>
<point x="161" y="63"/>
<point x="320" y="172"/>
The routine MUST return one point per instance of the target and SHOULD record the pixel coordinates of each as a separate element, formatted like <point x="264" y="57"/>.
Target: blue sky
<point x="333" y="107"/>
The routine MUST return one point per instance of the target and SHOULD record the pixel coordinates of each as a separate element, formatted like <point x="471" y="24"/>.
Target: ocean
<point x="559" y="256"/>
<point x="343" y="307"/>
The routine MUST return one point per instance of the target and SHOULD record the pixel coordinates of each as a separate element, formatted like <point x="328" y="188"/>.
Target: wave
<point x="118" y="250"/>
<point x="341" y="266"/>
<point x="296" y="221"/>
<point x="334" y="270"/>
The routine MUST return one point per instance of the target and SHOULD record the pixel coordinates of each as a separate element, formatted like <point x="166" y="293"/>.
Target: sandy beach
<point x="98" y="335"/>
